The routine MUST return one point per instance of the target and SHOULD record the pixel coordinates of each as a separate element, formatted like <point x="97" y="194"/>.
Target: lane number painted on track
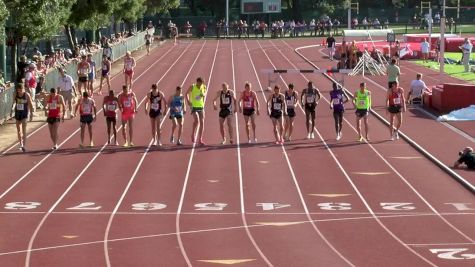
<point x="462" y="206"/>
<point x="86" y="206"/>
<point x="453" y="253"/>
<point x="398" y="206"/>
<point x="272" y="206"/>
<point x="210" y="206"/>
<point x="22" y="205"/>
<point x="148" y="206"/>
<point x="334" y="206"/>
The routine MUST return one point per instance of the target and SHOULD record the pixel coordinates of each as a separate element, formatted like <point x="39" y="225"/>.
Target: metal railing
<point x="6" y="102"/>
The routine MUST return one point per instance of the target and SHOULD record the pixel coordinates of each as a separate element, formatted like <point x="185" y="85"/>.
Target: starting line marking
<point x="228" y="262"/>
<point x="371" y="173"/>
<point x="329" y="195"/>
<point x="407" y="157"/>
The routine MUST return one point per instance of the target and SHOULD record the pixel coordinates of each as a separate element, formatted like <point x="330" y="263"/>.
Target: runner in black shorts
<point x="249" y="106"/>
<point x="23" y="107"/>
<point x="276" y="107"/>
<point x="291" y="97"/>
<point x="153" y="108"/>
<point x="309" y="99"/>
<point x="110" y="105"/>
<point x="396" y="104"/>
<point x="87" y="112"/>
<point x="227" y="107"/>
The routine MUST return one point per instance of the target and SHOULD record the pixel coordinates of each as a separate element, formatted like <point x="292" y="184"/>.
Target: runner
<point x="311" y="95"/>
<point x="148" y="42"/>
<point x="338" y="98"/>
<point x="105" y="73"/>
<point x="53" y="110"/>
<point x="249" y="107"/>
<point x="129" y="65"/>
<point x="153" y="108"/>
<point x="291" y="97"/>
<point x="86" y="107"/>
<point x="275" y="107"/>
<point x="21" y="106"/>
<point x="195" y="97"/>
<point x="362" y="102"/>
<point x="110" y="105"/>
<point x="395" y="104"/>
<point x="91" y="75"/>
<point x="227" y="107"/>
<point x="83" y="71"/>
<point x="177" y="109"/>
<point x="128" y="106"/>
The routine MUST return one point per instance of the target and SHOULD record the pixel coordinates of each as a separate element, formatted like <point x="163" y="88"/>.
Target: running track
<point x="306" y="203"/>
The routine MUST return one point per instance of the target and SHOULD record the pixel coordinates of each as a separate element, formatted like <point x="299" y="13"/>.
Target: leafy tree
<point x="3" y="18"/>
<point x="161" y="6"/>
<point x="130" y="12"/>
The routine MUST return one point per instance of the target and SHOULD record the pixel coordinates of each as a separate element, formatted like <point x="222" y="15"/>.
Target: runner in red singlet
<point x="249" y="107"/>
<point x="128" y="106"/>
<point x="396" y="104"/>
<point x="110" y="105"/>
<point x="88" y="114"/>
<point x="53" y="110"/>
<point x="129" y="65"/>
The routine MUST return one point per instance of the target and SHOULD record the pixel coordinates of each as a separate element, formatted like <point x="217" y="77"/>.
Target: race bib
<point x="20" y="107"/>
<point x="397" y="101"/>
<point x="336" y="101"/>
<point x="198" y="97"/>
<point x="277" y="106"/>
<point x="247" y="104"/>
<point x="226" y="101"/>
<point x="290" y="103"/>
<point x="155" y="106"/>
<point x="53" y="105"/>
<point x="86" y="109"/>
<point x="361" y="102"/>
<point x="177" y="109"/>
<point x="310" y="99"/>
<point x="104" y="67"/>
<point x="111" y="107"/>
<point x="83" y="71"/>
<point x="127" y="104"/>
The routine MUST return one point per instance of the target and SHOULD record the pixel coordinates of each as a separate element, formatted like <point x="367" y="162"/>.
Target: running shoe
<point x="223" y="142"/>
<point x="81" y="146"/>
<point x="308" y="136"/>
<point x="116" y="143"/>
<point x="22" y="148"/>
<point x="131" y="144"/>
<point x="179" y="143"/>
<point x="255" y="140"/>
<point x="231" y="141"/>
<point x="172" y="139"/>
<point x="338" y="137"/>
<point x="126" y="144"/>
<point x="55" y="147"/>
<point x="360" y="139"/>
<point x="278" y="142"/>
<point x="312" y="135"/>
<point x="396" y="134"/>
<point x="202" y="143"/>
<point x="154" y="143"/>
<point x="159" y="144"/>
<point x="249" y="141"/>
<point x="91" y="144"/>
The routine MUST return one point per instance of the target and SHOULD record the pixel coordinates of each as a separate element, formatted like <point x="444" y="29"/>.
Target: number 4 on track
<point x="453" y="254"/>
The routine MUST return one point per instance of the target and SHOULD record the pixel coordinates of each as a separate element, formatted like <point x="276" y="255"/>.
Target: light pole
<point x="227" y="13"/>
<point x="442" y="41"/>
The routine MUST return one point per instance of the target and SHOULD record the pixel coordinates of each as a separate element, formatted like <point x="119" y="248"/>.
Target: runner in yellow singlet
<point x="362" y="103"/>
<point x="195" y="97"/>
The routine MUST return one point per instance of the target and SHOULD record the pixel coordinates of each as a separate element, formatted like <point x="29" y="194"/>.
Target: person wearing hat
<point x="467" y="157"/>
<point x="67" y="89"/>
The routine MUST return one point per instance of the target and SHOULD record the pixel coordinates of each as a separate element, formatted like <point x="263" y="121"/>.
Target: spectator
<point x="22" y="67"/>
<point x="36" y="52"/>
<point x="417" y="89"/>
<point x="336" y="24"/>
<point x="467" y="157"/>
<point x="187" y="27"/>
<point x="451" y="22"/>
<point x="376" y="24"/>
<point x="160" y="27"/>
<point x="262" y="28"/>
<point x="397" y="47"/>
<point x="41" y="74"/>
<point x="331" y="46"/>
<point x="425" y="48"/>
<point x="365" y="23"/>
<point x="467" y="51"/>
<point x="31" y="81"/>
<point x="66" y="87"/>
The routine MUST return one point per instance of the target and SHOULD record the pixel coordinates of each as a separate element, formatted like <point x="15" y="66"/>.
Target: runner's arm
<point x="63" y="107"/>
<point x="187" y="95"/>
<point x="301" y="96"/>
<point x="215" y="98"/>
<point x="95" y="109"/>
<point x="104" y="107"/>
<point x="296" y="101"/>
<point x="147" y="104"/>
<point x="136" y="103"/>
<point x="403" y="100"/>
<point x="30" y="103"/>
<point x="319" y="96"/>
<point x="257" y="102"/>
<point x="285" y="103"/>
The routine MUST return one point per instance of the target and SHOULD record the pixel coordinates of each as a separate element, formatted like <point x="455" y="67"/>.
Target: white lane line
<point x="440" y="244"/>
<point x="405" y="180"/>
<point x="134" y="175"/>
<point x="350" y="219"/>
<point x="187" y="175"/>
<point x="241" y="187"/>
<point x="228" y="213"/>
<point x="294" y="178"/>
<point x="347" y="176"/>
<point x="67" y="139"/>
<point x="428" y="114"/>
<point x="44" y="125"/>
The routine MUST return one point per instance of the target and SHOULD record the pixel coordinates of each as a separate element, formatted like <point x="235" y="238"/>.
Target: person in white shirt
<point x="467" y="51"/>
<point x="67" y="89"/>
<point x="417" y="89"/>
<point x="425" y="48"/>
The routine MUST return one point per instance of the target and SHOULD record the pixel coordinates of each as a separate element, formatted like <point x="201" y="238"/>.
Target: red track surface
<point x="308" y="203"/>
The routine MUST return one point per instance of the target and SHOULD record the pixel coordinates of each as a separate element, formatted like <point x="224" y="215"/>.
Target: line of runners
<point x="280" y="108"/>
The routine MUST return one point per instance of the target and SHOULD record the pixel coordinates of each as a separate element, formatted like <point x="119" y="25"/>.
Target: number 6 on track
<point x="451" y="253"/>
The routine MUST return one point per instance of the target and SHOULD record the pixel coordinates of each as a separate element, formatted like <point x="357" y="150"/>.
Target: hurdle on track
<point x="274" y="74"/>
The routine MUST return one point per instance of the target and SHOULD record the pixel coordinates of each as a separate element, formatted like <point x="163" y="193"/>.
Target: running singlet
<point x="277" y="104"/>
<point x="197" y="96"/>
<point x="247" y="100"/>
<point x="337" y="100"/>
<point x="128" y="103"/>
<point x="32" y="81"/>
<point x="176" y="105"/>
<point x="83" y="69"/>
<point x="155" y="102"/>
<point x="290" y="100"/>
<point x="225" y="100"/>
<point x="311" y="97"/>
<point x="363" y="100"/>
<point x="86" y="106"/>
<point x="111" y="106"/>
<point x="128" y="64"/>
<point x="395" y="98"/>
<point x="21" y="107"/>
<point x="53" y="107"/>
<point x="92" y="68"/>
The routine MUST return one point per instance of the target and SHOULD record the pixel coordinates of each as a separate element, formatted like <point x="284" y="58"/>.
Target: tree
<point x="3" y="18"/>
<point x="130" y="12"/>
<point x="161" y="6"/>
<point x="35" y="20"/>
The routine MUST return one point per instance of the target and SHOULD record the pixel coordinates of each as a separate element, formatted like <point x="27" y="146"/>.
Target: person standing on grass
<point x="128" y="106"/>
<point x="110" y="105"/>
<point x="276" y="107"/>
<point x="425" y="49"/>
<point x="362" y="103"/>
<point x="54" y="111"/>
<point x="291" y="99"/>
<point x="153" y="107"/>
<point x="88" y="113"/>
<point x="23" y="108"/>
<point x="195" y="97"/>
<point x="177" y="109"/>
<point x="467" y="51"/>
<point x="396" y="105"/>
<point x="227" y="105"/>
<point x="105" y="73"/>
<point x="309" y="99"/>
<point x="331" y="46"/>
<point x="249" y="107"/>
<point x="338" y="98"/>
<point x="393" y="73"/>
